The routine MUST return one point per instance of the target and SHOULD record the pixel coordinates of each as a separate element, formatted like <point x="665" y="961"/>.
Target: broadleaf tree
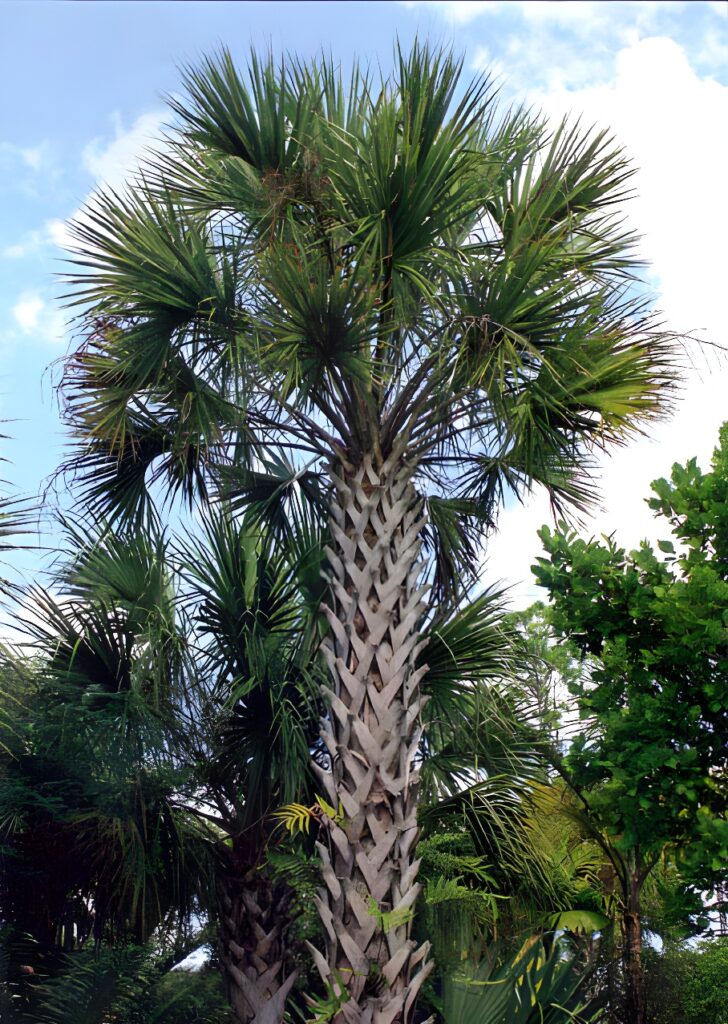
<point x="406" y="294"/>
<point x="651" y="761"/>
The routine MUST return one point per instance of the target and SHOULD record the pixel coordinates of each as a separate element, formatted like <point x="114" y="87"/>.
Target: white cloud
<point x="57" y="232"/>
<point x="38" y="319"/>
<point x="33" y="158"/>
<point x="112" y="162"/>
<point x="482" y="60"/>
<point x="565" y="12"/>
<point x="27" y="311"/>
<point x="580" y="16"/>
<point x="669" y="118"/>
<point x="30" y="243"/>
<point x="458" y="11"/>
<point x="713" y="52"/>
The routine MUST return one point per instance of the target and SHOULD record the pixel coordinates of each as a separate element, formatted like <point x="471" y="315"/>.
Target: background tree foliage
<point x="650" y="762"/>
<point x="688" y="983"/>
<point x="654" y="625"/>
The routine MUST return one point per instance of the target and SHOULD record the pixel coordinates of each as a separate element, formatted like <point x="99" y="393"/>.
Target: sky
<point x="82" y="89"/>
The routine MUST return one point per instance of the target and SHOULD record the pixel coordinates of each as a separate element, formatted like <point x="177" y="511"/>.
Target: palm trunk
<point x="372" y="735"/>
<point x="255" y="959"/>
<point x="632" y="959"/>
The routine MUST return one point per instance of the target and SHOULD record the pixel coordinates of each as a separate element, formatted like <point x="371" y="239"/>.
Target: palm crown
<point x="344" y="270"/>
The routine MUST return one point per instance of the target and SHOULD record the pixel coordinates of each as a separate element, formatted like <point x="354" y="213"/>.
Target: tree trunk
<point x="632" y="959"/>
<point x="611" y="950"/>
<point x="372" y="735"/>
<point x="614" y="986"/>
<point x="255" y="958"/>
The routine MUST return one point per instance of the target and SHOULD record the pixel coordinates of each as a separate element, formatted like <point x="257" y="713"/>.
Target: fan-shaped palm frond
<point x="529" y="987"/>
<point x="474" y="726"/>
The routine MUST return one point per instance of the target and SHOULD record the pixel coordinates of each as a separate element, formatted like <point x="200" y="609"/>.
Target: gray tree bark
<point x="372" y="735"/>
<point x="255" y="959"/>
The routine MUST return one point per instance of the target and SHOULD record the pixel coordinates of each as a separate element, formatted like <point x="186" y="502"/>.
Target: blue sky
<point x="82" y="94"/>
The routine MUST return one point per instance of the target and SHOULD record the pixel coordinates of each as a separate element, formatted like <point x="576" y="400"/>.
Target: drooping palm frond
<point x="16" y="520"/>
<point x="453" y="537"/>
<point x="276" y="495"/>
<point x="474" y="726"/>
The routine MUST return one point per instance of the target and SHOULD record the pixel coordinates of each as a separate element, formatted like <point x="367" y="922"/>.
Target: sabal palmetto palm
<point x="179" y="705"/>
<point x="420" y="304"/>
<point x="249" y="724"/>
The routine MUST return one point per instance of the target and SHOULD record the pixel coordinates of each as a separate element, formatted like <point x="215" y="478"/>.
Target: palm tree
<point x="249" y="724"/>
<point x="96" y="850"/>
<point x="417" y="305"/>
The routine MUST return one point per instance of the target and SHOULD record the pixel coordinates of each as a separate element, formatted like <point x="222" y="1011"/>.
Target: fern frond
<point x="295" y="818"/>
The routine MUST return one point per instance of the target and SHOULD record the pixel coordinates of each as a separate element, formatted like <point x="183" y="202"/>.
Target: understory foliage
<point x="535" y="985"/>
<point x="123" y="985"/>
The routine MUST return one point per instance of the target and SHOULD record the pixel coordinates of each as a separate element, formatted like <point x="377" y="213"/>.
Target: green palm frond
<point x="454" y="536"/>
<point x="259" y="123"/>
<point x="474" y="643"/>
<point x="530" y="987"/>
<point x="256" y="680"/>
<point x="138" y="255"/>
<point x="276" y="495"/>
<point x="296" y="818"/>
<point x="474" y="727"/>
<point x="130" y="569"/>
<point x="16" y="520"/>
